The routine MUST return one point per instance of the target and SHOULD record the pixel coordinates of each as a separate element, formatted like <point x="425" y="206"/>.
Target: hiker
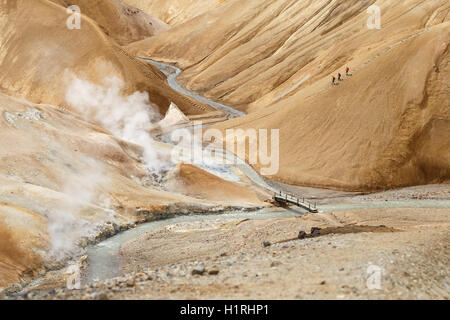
<point x="333" y="80"/>
<point x="339" y="77"/>
<point x="347" y="70"/>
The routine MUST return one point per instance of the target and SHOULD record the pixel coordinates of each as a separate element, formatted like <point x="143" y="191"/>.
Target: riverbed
<point x="104" y="260"/>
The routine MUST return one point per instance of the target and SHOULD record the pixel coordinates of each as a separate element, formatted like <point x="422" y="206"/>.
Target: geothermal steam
<point x="65" y="225"/>
<point x="127" y="117"/>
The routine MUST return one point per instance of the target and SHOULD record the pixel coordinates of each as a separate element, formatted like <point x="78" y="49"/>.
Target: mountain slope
<point x="249" y="54"/>
<point x="385" y="126"/>
<point x="122" y="22"/>
<point x="64" y="179"/>
<point x="38" y="59"/>
<point x="175" y="11"/>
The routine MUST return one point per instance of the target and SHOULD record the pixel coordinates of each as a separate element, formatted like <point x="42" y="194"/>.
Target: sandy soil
<point x="192" y="181"/>
<point x="253" y="55"/>
<point x="37" y="59"/>
<point x="227" y="260"/>
<point x="415" y="260"/>
<point x="122" y="22"/>
<point x="326" y="196"/>
<point x="63" y="178"/>
<point x="175" y="11"/>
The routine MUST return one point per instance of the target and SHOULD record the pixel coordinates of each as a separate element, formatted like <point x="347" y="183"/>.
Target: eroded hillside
<point x="249" y="54"/>
<point x="385" y="125"/>
<point x="82" y="121"/>
<point x="177" y="11"/>
<point x="122" y="22"/>
<point x="75" y="165"/>
<point x="38" y="59"/>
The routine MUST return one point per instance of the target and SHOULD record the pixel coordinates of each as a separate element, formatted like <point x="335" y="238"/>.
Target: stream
<point x="104" y="259"/>
<point x="172" y="81"/>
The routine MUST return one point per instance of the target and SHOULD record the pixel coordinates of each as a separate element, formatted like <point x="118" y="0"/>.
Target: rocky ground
<point x="325" y="196"/>
<point x="264" y="259"/>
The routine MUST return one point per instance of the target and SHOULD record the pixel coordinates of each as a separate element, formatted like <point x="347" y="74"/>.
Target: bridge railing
<point x="288" y="197"/>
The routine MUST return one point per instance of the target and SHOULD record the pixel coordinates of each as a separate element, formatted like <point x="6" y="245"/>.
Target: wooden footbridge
<point x="282" y="197"/>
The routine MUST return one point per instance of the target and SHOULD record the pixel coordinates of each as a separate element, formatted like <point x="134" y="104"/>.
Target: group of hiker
<point x="333" y="79"/>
